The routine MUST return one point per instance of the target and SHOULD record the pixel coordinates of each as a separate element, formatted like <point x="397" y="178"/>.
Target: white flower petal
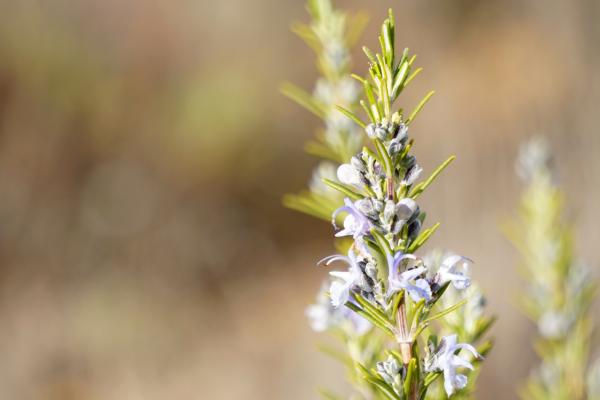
<point x="347" y="174"/>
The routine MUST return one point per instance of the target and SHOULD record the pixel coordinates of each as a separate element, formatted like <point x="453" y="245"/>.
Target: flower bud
<point x="407" y="209"/>
<point x="414" y="228"/>
<point x="370" y="129"/>
<point x="358" y="163"/>
<point x="347" y="174"/>
<point x="381" y="133"/>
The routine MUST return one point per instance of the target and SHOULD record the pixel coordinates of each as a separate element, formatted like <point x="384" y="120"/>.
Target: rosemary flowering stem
<point x="387" y="294"/>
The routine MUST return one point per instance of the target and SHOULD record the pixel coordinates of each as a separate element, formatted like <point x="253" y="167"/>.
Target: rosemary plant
<point x="390" y="304"/>
<point x="560" y="290"/>
<point x="330" y="34"/>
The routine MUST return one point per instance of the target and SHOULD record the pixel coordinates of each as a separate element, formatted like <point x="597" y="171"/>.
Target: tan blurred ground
<point x="144" y="150"/>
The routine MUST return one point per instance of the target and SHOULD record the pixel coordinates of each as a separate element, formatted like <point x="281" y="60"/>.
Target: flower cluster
<point x="386" y="288"/>
<point x="560" y="289"/>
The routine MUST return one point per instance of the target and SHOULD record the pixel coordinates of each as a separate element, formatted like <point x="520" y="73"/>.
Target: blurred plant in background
<point x="331" y="35"/>
<point x="384" y="306"/>
<point x="560" y="289"/>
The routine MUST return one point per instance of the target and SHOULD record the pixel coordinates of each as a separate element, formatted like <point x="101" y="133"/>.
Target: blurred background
<point x="144" y="150"/>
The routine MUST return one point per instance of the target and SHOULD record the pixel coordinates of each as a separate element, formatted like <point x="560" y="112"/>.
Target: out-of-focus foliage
<point x="560" y="288"/>
<point x="331" y="34"/>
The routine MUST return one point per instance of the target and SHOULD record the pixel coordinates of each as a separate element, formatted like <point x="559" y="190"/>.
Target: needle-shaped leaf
<point x="383" y="325"/>
<point x="345" y="189"/>
<point x="419" y="107"/>
<point x="351" y="115"/>
<point x="384" y="156"/>
<point x="303" y="98"/>
<point x="446" y="311"/>
<point x="422" y="238"/>
<point x="419" y="188"/>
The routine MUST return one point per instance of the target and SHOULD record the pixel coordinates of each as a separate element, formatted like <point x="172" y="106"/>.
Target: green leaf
<point x="430" y="378"/>
<point x="351" y="115"/>
<point x="384" y="157"/>
<point x="412" y="76"/>
<point x="345" y="189"/>
<point x="368" y="110"/>
<point x="416" y="111"/>
<point x="307" y="204"/>
<point x="398" y="82"/>
<point x="370" y="308"/>
<point x="446" y="311"/>
<point x="304" y="99"/>
<point x="419" y="188"/>
<point x="422" y="238"/>
<point x="416" y="314"/>
<point x="397" y="301"/>
<point x="305" y="33"/>
<point x="384" y="326"/>
<point x="381" y="241"/>
<point x="383" y="387"/>
<point x="356" y="26"/>
<point x="409" y="383"/>
<point x="321" y="150"/>
<point x="369" y="55"/>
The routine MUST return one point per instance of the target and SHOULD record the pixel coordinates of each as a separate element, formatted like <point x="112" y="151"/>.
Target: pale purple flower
<point x="356" y="224"/>
<point x="445" y="359"/>
<point x="340" y="288"/>
<point x="454" y="269"/>
<point x="323" y="316"/>
<point x="409" y="280"/>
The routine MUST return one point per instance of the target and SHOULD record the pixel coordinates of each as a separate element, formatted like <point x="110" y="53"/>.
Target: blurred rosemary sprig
<point x="560" y="289"/>
<point x="331" y="34"/>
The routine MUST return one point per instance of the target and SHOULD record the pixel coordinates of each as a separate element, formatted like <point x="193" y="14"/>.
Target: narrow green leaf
<point x="384" y="157"/>
<point x="369" y="55"/>
<point x="351" y="115"/>
<point x="359" y="78"/>
<point x="410" y="376"/>
<point x="356" y="26"/>
<point x="398" y="82"/>
<point x="418" y="189"/>
<point x="368" y="111"/>
<point x="422" y="238"/>
<point x="416" y="111"/>
<point x="397" y="301"/>
<point x="430" y="378"/>
<point x="371" y="318"/>
<point x="416" y="313"/>
<point x="305" y="204"/>
<point x="369" y="92"/>
<point x="304" y="99"/>
<point x="343" y="188"/>
<point x="446" y="311"/>
<point x="305" y="33"/>
<point x="381" y="241"/>
<point x="367" y="306"/>
<point x="388" y="48"/>
<point x="320" y="150"/>
<point x="412" y="76"/>
<point x="384" y="388"/>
